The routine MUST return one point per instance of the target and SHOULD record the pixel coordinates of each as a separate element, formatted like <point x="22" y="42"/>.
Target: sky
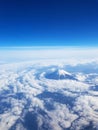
<point x="48" y="23"/>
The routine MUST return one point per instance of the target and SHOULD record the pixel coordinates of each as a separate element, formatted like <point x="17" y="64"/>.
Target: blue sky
<point x="48" y="23"/>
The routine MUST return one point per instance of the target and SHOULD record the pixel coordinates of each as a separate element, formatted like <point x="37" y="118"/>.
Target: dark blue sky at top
<point x="48" y="22"/>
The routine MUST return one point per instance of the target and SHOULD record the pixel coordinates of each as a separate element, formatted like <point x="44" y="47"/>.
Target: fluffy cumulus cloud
<point x="46" y="95"/>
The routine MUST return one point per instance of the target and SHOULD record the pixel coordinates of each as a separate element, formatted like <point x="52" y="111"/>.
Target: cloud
<point x="86" y="106"/>
<point x="57" y="104"/>
<point x="61" y="116"/>
<point x="67" y="54"/>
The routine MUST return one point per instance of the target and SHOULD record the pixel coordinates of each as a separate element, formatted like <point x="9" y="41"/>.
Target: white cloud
<point x="68" y="54"/>
<point x="22" y="82"/>
<point x="62" y="117"/>
<point x="87" y="108"/>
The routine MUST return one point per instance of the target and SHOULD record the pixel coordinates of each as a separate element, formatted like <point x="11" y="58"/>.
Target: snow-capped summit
<point x="58" y="74"/>
<point x="62" y="72"/>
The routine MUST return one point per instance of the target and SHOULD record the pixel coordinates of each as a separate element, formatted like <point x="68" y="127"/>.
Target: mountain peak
<point x="58" y="74"/>
<point x="62" y="72"/>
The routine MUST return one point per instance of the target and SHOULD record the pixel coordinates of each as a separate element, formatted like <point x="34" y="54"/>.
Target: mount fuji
<point x="59" y="74"/>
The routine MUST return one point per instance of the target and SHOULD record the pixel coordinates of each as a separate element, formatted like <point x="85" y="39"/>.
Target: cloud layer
<point x="30" y="100"/>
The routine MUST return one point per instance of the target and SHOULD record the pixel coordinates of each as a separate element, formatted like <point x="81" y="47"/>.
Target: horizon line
<point x="49" y="47"/>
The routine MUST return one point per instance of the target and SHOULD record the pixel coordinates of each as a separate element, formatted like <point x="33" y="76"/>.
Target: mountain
<point x="59" y="74"/>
